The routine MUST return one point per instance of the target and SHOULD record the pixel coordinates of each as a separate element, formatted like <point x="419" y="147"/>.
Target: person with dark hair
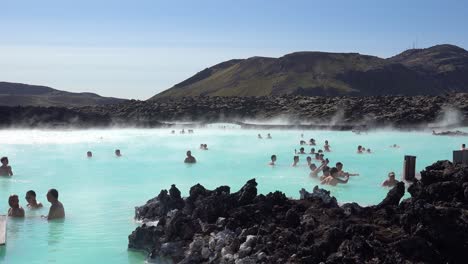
<point x="301" y="151"/>
<point x="312" y="151"/>
<point x="273" y="160"/>
<point x="333" y="179"/>
<point x="56" y="210"/>
<point x="359" y="149"/>
<point x="5" y="170"/>
<point x="15" y="209"/>
<point x="89" y="154"/>
<point x="314" y="170"/>
<point x="341" y="173"/>
<point x="259" y="136"/>
<point x="117" y="153"/>
<point x="190" y="158"/>
<point x="309" y="161"/>
<point x="268" y="136"/>
<point x="326" y="172"/>
<point x="463" y="147"/>
<point x="317" y="156"/>
<point x="295" y="161"/>
<point x="31" y="199"/>
<point x="312" y="142"/>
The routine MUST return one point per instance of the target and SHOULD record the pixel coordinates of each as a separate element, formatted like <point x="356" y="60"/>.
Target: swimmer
<point x="309" y="160"/>
<point x="333" y="179"/>
<point x="259" y="136"/>
<point x="326" y="172"/>
<point x="31" y="199"/>
<point x="15" y="209"/>
<point x="301" y="151"/>
<point x="326" y="143"/>
<point x="327" y="148"/>
<point x="56" y="210"/>
<point x="321" y="156"/>
<point x="5" y="170"/>
<point x="395" y="146"/>
<point x="89" y="154"/>
<point x="320" y="151"/>
<point x="317" y="156"/>
<point x="341" y="173"/>
<point x="268" y="136"/>
<point x="312" y="151"/>
<point x="359" y="149"/>
<point x="202" y="146"/>
<point x="117" y="153"/>
<point x="295" y="161"/>
<point x="390" y="182"/>
<point x="173" y="132"/>
<point x="273" y="160"/>
<point x="302" y="142"/>
<point x="312" y="142"/>
<point x="190" y="158"/>
<point x="316" y="170"/>
<point x="205" y="147"/>
<point x="463" y="147"/>
<point x="369" y="151"/>
<point x="182" y="131"/>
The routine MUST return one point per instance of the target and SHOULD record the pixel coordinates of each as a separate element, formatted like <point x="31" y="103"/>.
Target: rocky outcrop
<point x="216" y="226"/>
<point x="300" y="112"/>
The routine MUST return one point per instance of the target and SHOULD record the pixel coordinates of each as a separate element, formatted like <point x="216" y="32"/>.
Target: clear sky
<point x="135" y="49"/>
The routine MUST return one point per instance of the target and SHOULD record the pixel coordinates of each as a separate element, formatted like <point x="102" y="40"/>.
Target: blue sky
<point x="135" y="49"/>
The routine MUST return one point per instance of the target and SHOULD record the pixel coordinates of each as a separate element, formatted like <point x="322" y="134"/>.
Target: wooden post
<point x="460" y="156"/>
<point x="3" y="219"/>
<point x="409" y="168"/>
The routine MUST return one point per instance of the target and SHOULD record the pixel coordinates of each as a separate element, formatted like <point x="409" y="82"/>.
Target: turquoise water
<point x="99" y="194"/>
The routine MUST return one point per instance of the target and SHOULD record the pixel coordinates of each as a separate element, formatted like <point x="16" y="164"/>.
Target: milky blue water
<point x="99" y="194"/>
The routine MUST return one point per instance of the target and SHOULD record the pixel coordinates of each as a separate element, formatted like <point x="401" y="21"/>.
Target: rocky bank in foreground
<point x="217" y="226"/>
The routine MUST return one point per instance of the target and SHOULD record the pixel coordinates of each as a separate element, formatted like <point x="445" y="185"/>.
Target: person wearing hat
<point x="390" y="182"/>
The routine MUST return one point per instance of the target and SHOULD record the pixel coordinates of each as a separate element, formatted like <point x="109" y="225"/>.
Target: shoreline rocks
<point x="343" y="113"/>
<point x="217" y="226"/>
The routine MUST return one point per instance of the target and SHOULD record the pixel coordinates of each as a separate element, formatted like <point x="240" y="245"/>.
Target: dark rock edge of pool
<point x="216" y="226"/>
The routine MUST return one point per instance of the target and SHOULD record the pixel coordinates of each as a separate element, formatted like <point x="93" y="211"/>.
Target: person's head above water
<point x="89" y="154"/>
<point x="273" y="158"/>
<point x="312" y="151"/>
<point x="13" y="201"/>
<point x="326" y="171"/>
<point x="339" y="165"/>
<point x="309" y="158"/>
<point x="4" y="161"/>
<point x="296" y="158"/>
<point x="301" y="150"/>
<point x="189" y="153"/>
<point x="52" y="195"/>
<point x="334" y="172"/>
<point x="30" y="195"/>
<point x="317" y="156"/>
<point x="312" y="167"/>
<point x="117" y="153"/>
<point x="391" y="175"/>
<point x="463" y="146"/>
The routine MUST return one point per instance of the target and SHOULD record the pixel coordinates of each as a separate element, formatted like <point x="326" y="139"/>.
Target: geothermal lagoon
<point x="100" y="193"/>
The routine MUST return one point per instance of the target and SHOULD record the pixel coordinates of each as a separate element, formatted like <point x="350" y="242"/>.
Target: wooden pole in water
<point x="3" y="219"/>
<point x="409" y="168"/>
<point x="460" y="156"/>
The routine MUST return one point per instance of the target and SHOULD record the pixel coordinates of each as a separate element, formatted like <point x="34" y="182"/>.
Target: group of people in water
<point x="56" y="210"/>
<point x="330" y="175"/>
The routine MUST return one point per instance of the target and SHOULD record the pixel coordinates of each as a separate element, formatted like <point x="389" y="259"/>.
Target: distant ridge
<point x="436" y="70"/>
<point x="14" y="94"/>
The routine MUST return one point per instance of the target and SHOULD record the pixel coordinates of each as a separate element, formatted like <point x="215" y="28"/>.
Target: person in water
<point x="326" y="172"/>
<point x="334" y="179"/>
<point x="15" y="209"/>
<point x="31" y="199"/>
<point x="317" y="156"/>
<point x="273" y="160"/>
<point x="295" y="161"/>
<point x="190" y="158"/>
<point x="89" y="154"/>
<point x="202" y="146"/>
<point x="56" y="210"/>
<point x="369" y="151"/>
<point x="463" y="147"/>
<point x="341" y="173"/>
<point x="359" y="149"/>
<point x="259" y="136"/>
<point x="173" y="132"/>
<point x="205" y="146"/>
<point x="327" y="148"/>
<point x="309" y="160"/>
<point x="390" y="182"/>
<point x="117" y="153"/>
<point x="321" y="156"/>
<point x="395" y="146"/>
<point x="312" y="151"/>
<point x="302" y="151"/>
<point x="316" y="170"/>
<point x="302" y="142"/>
<point x="5" y="169"/>
<point x="312" y="142"/>
<point x="268" y="136"/>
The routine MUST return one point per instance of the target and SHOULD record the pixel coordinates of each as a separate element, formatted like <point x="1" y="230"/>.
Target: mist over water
<point x="99" y="194"/>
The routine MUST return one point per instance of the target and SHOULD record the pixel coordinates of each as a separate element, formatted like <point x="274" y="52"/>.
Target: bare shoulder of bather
<point x="56" y="211"/>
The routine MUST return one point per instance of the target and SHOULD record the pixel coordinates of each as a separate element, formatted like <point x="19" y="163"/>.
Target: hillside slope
<point x="436" y="70"/>
<point x="14" y="94"/>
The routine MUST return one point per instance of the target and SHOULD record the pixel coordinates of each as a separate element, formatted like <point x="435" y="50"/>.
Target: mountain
<point x="436" y="70"/>
<point x="13" y="94"/>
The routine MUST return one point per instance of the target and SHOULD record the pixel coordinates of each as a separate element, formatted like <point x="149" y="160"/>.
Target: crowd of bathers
<point x="56" y="210"/>
<point x="326" y="174"/>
